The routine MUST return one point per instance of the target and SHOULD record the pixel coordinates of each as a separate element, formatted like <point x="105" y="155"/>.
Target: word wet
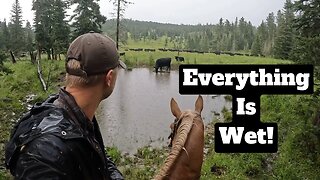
<point x="250" y="137"/>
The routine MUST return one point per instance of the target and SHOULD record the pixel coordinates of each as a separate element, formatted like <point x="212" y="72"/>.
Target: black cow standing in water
<point x="163" y="62"/>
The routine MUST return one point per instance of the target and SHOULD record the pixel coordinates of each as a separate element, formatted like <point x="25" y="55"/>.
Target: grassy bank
<point x="142" y="58"/>
<point x="147" y="59"/>
<point x="298" y="156"/>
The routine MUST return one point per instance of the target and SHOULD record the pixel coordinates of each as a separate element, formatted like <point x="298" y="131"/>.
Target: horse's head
<point x="178" y="115"/>
<point x="187" y="139"/>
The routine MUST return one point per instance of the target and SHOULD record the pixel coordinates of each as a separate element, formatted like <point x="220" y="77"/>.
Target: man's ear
<point x="108" y="77"/>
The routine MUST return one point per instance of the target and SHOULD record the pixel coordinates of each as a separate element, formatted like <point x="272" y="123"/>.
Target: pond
<point x="138" y="111"/>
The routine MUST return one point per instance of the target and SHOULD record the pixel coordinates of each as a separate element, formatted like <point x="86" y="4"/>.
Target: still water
<point x="138" y="111"/>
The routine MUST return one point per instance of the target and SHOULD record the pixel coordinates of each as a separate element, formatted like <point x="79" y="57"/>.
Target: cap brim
<point x="122" y="64"/>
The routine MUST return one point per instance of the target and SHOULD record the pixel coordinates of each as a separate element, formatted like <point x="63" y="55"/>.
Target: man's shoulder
<point x="44" y="120"/>
<point x="43" y="124"/>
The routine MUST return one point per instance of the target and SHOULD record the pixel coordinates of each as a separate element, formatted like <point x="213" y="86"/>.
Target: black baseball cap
<point x="96" y="53"/>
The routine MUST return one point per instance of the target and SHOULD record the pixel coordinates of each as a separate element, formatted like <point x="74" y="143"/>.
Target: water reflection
<point x="138" y="113"/>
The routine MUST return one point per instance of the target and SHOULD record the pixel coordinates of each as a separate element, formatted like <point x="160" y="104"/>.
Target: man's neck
<point x="88" y="99"/>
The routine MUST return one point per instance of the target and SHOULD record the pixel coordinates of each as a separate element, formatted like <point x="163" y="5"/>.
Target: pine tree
<point x="51" y="28"/>
<point x="87" y="17"/>
<point x="29" y="40"/>
<point x="219" y="38"/>
<point x="285" y="32"/>
<point x="271" y="28"/>
<point x="43" y="25"/>
<point x="263" y="33"/>
<point x="60" y="28"/>
<point x="256" y="48"/>
<point x="307" y="22"/>
<point x="227" y="39"/>
<point x="16" y="30"/>
<point x="242" y="31"/>
<point x="250" y="34"/>
<point x="29" y="35"/>
<point x="5" y="36"/>
<point x="3" y="55"/>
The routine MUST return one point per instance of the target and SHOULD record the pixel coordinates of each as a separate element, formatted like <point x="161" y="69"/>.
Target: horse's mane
<point x="181" y="136"/>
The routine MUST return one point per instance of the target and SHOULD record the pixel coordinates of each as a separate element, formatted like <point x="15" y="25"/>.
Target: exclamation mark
<point x="270" y="135"/>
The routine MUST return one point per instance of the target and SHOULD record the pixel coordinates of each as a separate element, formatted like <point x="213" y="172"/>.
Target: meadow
<point x="142" y="58"/>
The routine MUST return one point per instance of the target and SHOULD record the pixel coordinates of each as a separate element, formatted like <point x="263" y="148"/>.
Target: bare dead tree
<point x="40" y="76"/>
<point x="120" y="5"/>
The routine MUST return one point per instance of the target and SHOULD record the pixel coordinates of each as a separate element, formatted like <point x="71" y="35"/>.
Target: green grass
<point x="298" y="156"/>
<point x="143" y="165"/>
<point x="148" y="59"/>
<point x="14" y="89"/>
<point x="25" y="77"/>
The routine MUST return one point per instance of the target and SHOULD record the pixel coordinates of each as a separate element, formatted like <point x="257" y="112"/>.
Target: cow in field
<point x="179" y="58"/>
<point x="217" y="52"/>
<point x="163" y="62"/>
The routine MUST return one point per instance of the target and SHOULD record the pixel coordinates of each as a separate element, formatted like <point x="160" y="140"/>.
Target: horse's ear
<point x="199" y="104"/>
<point x="175" y="108"/>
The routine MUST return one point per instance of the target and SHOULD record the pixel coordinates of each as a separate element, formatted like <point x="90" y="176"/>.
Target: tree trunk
<point x="54" y="57"/>
<point x="118" y="24"/>
<point x="12" y="57"/>
<point x="40" y="76"/>
<point x="49" y="54"/>
<point x="39" y="53"/>
<point x="33" y="56"/>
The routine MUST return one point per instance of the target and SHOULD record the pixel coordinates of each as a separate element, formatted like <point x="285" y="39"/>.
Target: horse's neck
<point x="181" y="138"/>
<point x="188" y="164"/>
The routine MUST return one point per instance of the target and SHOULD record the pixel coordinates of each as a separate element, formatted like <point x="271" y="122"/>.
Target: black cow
<point x="163" y="62"/>
<point x="179" y="58"/>
<point x="217" y="52"/>
<point x="122" y="53"/>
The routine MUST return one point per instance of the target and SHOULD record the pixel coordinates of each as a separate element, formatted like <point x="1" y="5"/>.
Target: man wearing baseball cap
<point x="60" y="138"/>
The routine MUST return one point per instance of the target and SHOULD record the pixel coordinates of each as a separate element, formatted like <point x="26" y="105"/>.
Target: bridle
<point x="176" y="124"/>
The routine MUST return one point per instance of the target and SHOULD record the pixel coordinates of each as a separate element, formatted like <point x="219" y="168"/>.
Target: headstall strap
<point x="176" y="124"/>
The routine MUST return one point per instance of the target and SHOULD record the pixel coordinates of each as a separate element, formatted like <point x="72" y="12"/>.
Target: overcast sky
<point x="176" y="11"/>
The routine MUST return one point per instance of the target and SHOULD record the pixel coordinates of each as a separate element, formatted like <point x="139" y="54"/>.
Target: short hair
<point x="78" y="81"/>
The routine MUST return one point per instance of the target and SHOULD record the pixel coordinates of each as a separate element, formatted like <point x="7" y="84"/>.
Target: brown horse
<point x="187" y="138"/>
